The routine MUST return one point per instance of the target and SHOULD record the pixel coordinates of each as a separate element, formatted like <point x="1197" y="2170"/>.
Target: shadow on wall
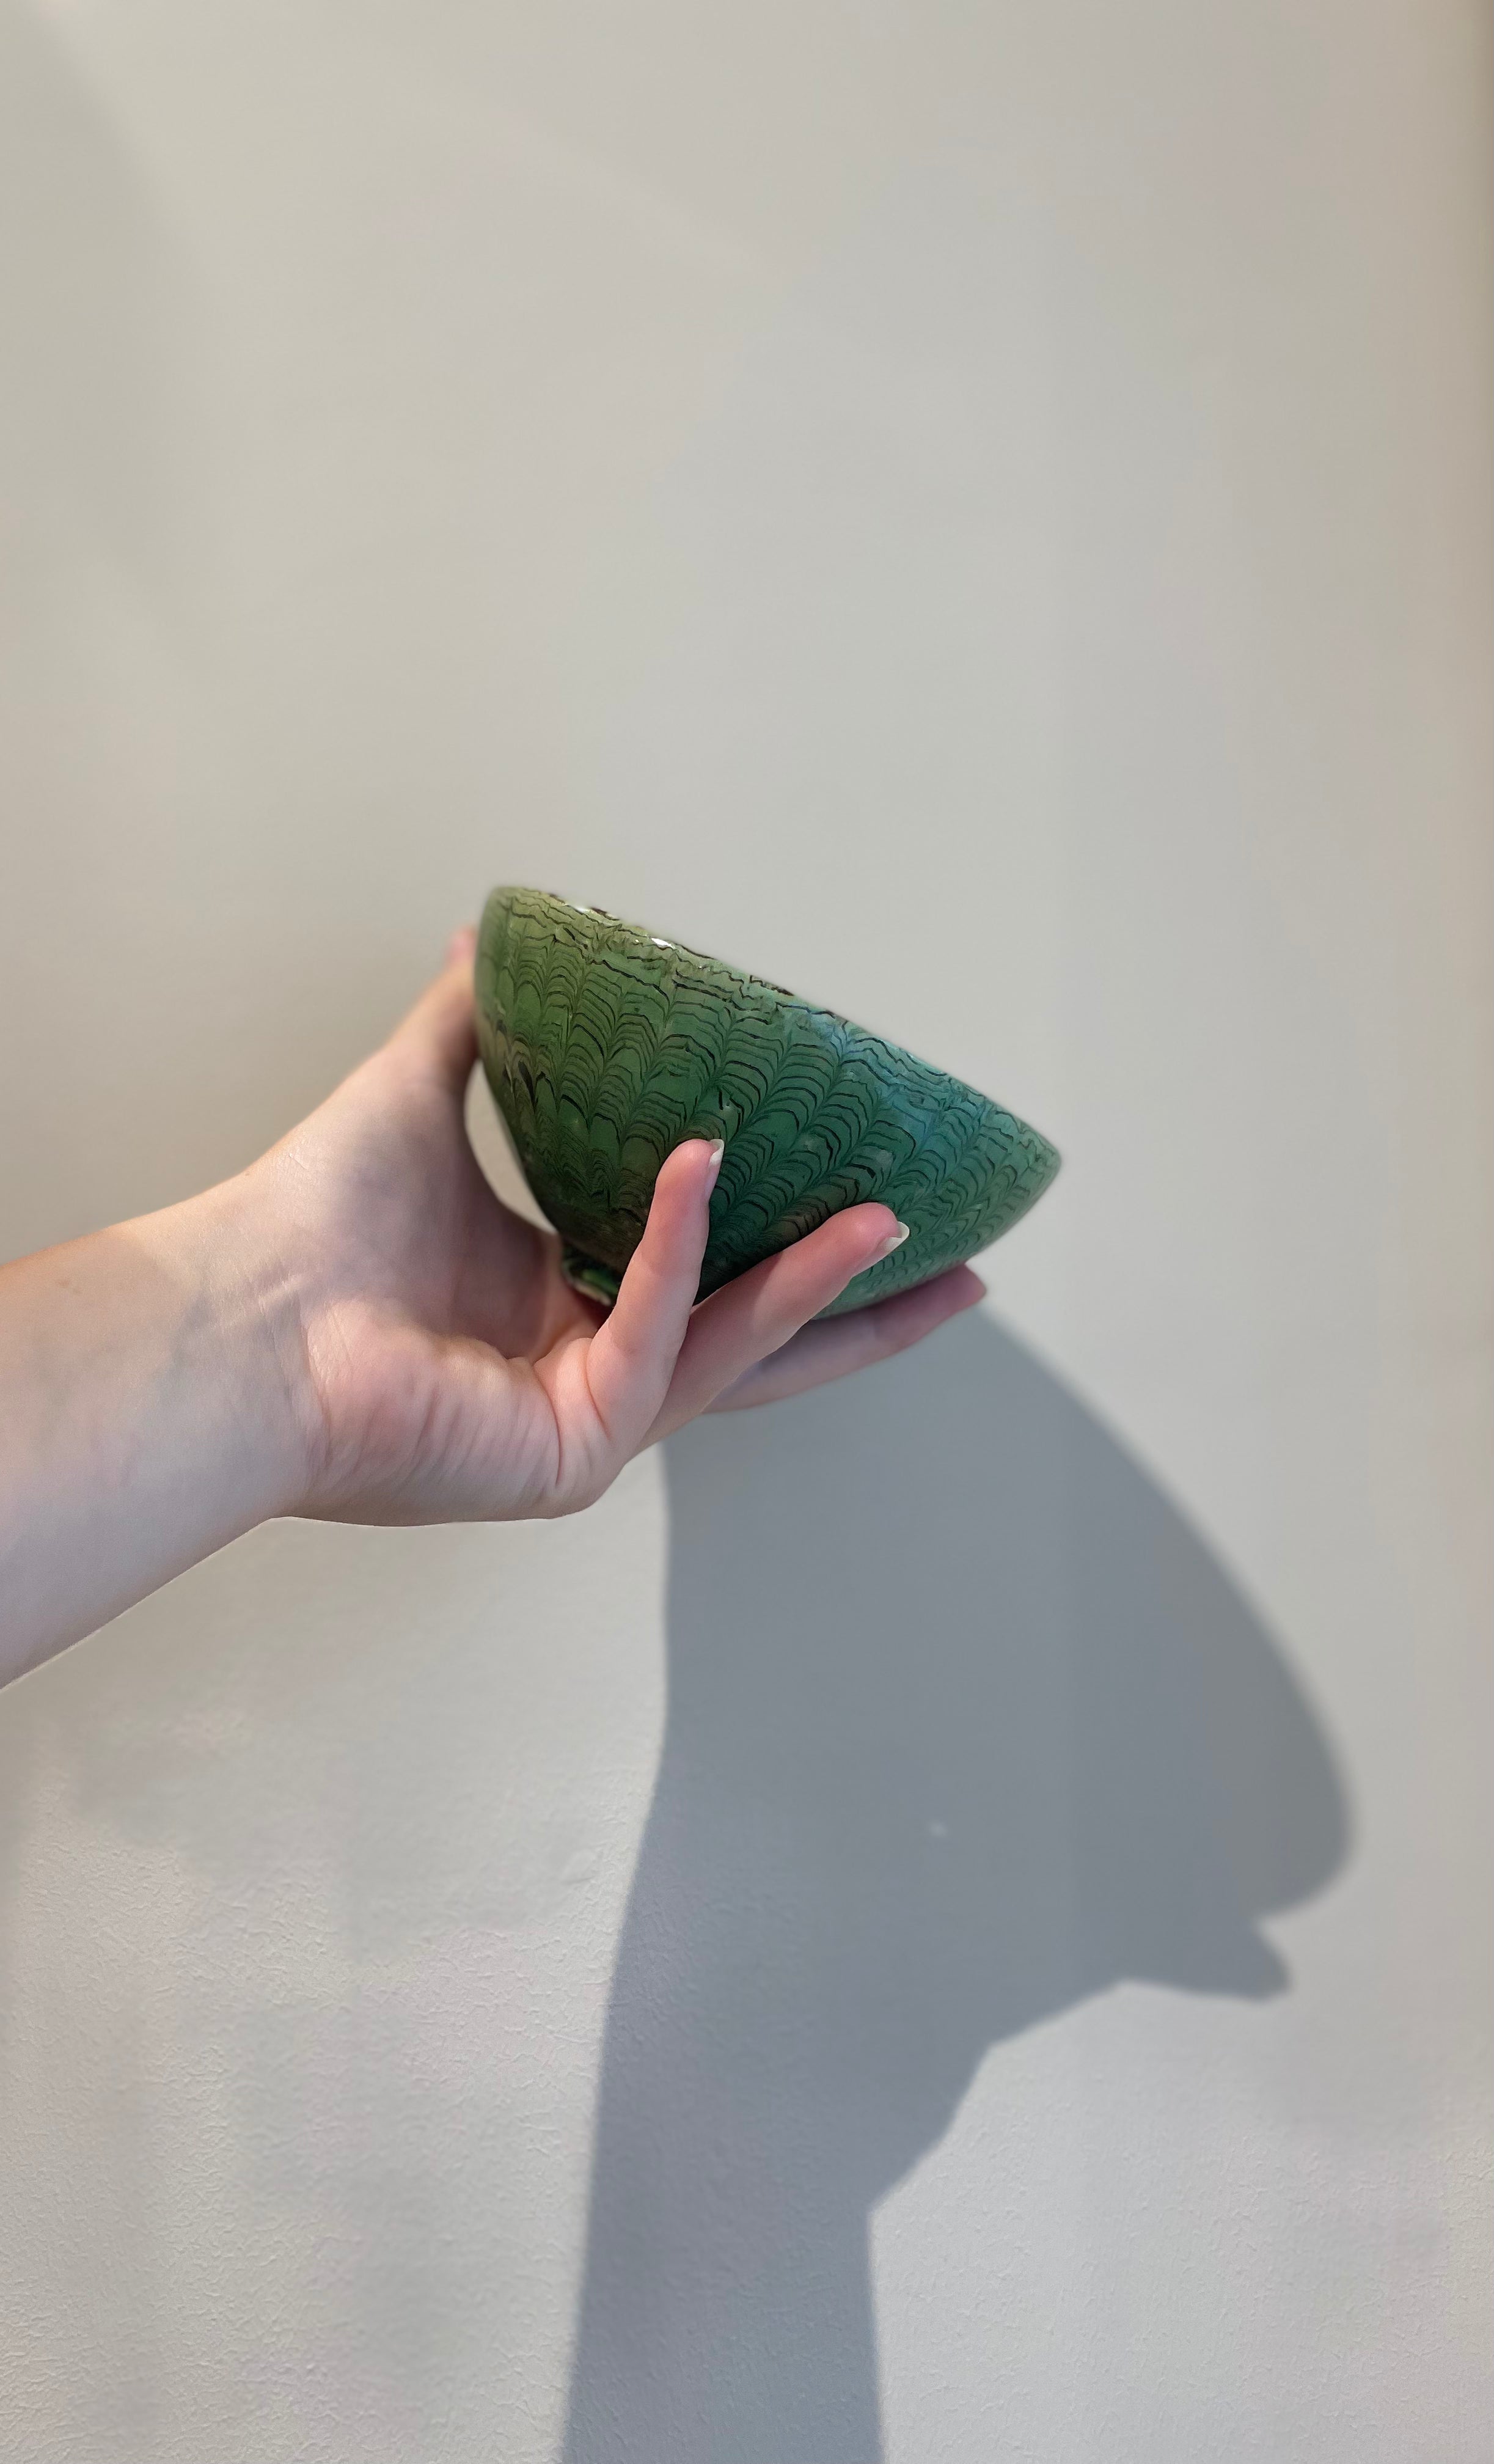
<point x="964" y="1725"/>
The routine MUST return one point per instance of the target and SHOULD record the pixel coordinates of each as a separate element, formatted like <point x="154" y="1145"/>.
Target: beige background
<point x="981" y="515"/>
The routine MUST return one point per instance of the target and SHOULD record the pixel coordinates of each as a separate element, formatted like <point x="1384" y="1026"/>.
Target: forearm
<point x="145" y="1414"/>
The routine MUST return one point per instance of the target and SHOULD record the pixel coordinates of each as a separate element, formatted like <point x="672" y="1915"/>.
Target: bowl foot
<point x="588" y="1275"/>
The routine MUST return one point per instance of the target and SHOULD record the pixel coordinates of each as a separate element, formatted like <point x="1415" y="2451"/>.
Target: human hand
<point x="356" y="1328"/>
<point x="442" y="1368"/>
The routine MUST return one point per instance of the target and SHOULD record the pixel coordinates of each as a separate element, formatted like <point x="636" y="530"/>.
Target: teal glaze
<point x="605" y="1046"/>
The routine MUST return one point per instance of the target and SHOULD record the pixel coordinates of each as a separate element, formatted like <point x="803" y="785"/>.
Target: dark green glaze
<point x="605" y="1047"/>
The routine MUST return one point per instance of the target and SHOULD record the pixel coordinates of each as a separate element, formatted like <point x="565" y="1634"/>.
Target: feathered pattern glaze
<point x="605" y="1046"/>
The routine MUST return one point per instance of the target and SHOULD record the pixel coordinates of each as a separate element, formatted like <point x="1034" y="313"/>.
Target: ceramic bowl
<point x="604" y="1046"/>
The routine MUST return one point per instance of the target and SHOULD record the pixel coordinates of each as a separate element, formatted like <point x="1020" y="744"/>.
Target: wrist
<point x="153" y="1411"/>
<point x="232" y="1247"/>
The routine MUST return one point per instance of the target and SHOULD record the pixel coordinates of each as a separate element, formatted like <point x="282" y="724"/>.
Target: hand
<point x="356" y="1328"/>
<point x="445" y="1369"/>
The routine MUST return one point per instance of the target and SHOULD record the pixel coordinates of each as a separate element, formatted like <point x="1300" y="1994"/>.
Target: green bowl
<point x="605" y="1046"/>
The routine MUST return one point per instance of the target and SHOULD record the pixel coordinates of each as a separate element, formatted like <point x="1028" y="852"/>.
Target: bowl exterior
<point x="605" y="1046"/>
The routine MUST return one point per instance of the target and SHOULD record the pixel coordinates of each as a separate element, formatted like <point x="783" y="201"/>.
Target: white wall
<point x="981" y="515"/>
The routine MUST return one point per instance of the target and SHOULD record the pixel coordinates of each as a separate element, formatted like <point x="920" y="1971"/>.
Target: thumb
<point x="439" y="1030"/>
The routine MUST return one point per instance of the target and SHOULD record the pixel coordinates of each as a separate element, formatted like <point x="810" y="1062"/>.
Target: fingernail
<point x="893" y="1240"/>
<point x="718" y="1151"/>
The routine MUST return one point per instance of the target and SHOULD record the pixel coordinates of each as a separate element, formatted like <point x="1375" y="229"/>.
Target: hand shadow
<point x="964" y="1724"/>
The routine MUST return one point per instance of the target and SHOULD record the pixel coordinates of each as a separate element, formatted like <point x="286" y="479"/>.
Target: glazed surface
<point x="604" y="1046"/>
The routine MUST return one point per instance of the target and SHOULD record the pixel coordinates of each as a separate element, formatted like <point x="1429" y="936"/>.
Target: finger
<point x="838" y="1346"/>
<point x="631" y="1358"/>
<point x="439" y="1031"/>
<point x="759" y="1312"/>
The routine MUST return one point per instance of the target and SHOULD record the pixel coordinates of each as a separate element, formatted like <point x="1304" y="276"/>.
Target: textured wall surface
<point x="951" y="1921"/>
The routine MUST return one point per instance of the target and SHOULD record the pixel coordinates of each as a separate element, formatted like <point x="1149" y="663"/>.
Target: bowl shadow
<point x="966" y="1724"/>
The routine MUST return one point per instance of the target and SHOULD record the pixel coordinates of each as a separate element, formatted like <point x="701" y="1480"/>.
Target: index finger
<point x="631" y="1357"/>
<point x="755" y="1316"/>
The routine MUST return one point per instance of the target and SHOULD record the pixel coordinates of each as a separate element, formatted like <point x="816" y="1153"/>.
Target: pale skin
<point x="358" y="1330"/>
